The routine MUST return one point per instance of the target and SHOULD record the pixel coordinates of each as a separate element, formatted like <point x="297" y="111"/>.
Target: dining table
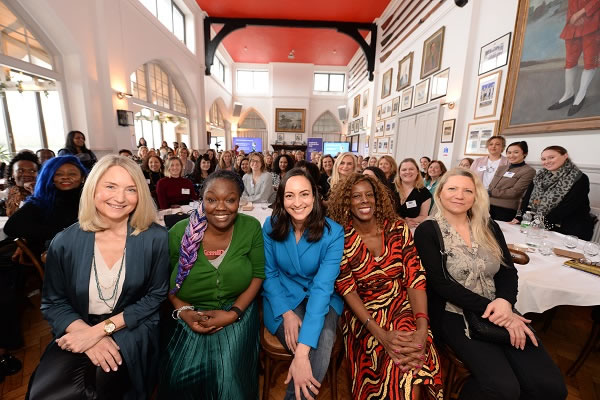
<point x="546" y="282"/>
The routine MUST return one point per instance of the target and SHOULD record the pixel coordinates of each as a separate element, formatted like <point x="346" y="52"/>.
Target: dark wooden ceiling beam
<point x="232" y="24"/>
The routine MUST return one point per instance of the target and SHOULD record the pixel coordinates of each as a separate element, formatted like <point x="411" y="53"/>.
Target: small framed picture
<point x="386" y="83"/>
<point x="421" y="92"/>
<point x="280" y="137"/>
<point x="378" y="111"/>
<point x="494" y="54"/>
<point x="365" y="98"/>
<point x="404" y="72"/>
<point x="386" y="110"/>
<point x="356" y="106"/>
<point x="384" y="145"/>
<point x="298" y="137"/>
<point x="395" y="106"/>
<point x="391" y="149"/>
<point x="486" y="99"/>
<point x="379" y="128"/>
<point x="390" y="126"/>
<point x="448" y="131"/>
<point x="439" y="84"/>
<point x="406" y="99"/>
<point x="477" y="135"/>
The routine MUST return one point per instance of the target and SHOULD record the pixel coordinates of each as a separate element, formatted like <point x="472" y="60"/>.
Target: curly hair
<point x="23" y="155"/>
<point x="340" y="198"/>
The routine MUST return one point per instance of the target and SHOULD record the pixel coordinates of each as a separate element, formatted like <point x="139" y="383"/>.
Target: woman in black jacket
<point x="75" y="145"/>
<point x="482" y="280"/>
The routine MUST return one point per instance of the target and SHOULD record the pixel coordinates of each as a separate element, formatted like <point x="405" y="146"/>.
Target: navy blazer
<point x="65" y="295"/>
<point x="296" y="271"/>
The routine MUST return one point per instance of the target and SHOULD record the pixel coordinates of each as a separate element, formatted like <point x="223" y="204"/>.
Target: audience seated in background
<point x="424" y="161"/>
<point x="44" y="155"/>
<point x="75" y="145"/>
<point x="244" y="166"/>
<point x="373" y="161"/>
<point x="478" y="276"/>
<point x="485" y="167"/>
<point x="281" y="165"/>
<point x="435" y="171"/>
<point x="218" y="265"/>
<point x="154" y="170"/>
<point x="202" y="169"/>
<point x="510" y="183"/>
<point x="344" y="166"/>
<point x="173" y="190"/>
<point x="258" y="183"/>
<point x="559" y="192"/>
<point x="188" y="165"/>
<point x="415" y="199"/>
<point x="326" y="169"/>
<point x="466" y="163"/>
<point x="20" y="175"/>
<point x="125" y="153"/>
<point x="226" y="161"/>
<point x="384" y="289"/>
<point x="389" y="167"/>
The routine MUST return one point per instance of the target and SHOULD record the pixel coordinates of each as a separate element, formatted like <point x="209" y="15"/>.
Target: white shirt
<point x="488" y="174"/>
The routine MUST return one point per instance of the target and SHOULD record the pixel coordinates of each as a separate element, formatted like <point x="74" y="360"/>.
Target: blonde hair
<point x="335" y="175"/>
<point x="394" y="166"/>
<point x="419" y="183"/>
<point x="170" y="161"/>
<point x="222" y="160"/>
<point x="479" y="215"/>
<point x="142" y="216"/>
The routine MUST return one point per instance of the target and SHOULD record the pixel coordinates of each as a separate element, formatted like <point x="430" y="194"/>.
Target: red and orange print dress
<point x="382" y="282"/>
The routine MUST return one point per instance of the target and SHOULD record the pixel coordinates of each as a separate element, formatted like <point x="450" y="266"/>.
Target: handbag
<point x="479" y="328"/>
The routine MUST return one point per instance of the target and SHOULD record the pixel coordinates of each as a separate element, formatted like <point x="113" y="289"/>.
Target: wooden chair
<point x="275" y="356"/>
<point x="456" y="373"/>
<point x="590" y="344"/>
<point x="35" y="260"/>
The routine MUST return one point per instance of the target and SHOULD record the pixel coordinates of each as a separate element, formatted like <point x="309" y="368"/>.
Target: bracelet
<point x="238" y="311"/>
<point x="175" y="313"/>
<point x="366" y="322"/>
<point x="421" y="315"/>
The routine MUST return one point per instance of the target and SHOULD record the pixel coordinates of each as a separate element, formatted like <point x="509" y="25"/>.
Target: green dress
<point x="223" y="365"/>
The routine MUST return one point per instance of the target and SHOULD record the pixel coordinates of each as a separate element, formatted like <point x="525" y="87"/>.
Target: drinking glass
<point x="545" y="248"/>
<point x="591" y="249"/>
<point x="570" y="241"/>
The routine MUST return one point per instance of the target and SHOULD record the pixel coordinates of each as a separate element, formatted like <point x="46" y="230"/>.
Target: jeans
<point x="319" y="357"/>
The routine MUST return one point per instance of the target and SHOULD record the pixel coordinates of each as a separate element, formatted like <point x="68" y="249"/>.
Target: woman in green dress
<point x="217" y="258"/>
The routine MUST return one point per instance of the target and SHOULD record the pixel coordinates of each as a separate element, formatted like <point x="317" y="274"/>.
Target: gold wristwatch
<point x="109" y="327"/>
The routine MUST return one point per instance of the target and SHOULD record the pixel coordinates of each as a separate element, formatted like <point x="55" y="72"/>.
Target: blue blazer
<point x="295" y="272"/>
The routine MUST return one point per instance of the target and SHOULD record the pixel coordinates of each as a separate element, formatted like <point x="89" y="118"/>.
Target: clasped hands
<point x="500" y="312"/>
<point x="405" y="348"/>
<point x="209" y="321"/>
<point x="102" y="350"/>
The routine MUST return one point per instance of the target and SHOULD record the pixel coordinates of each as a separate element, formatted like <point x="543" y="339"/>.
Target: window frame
<point x="253" y="90"/>
<point x="329" y="74"/>
<point x="174" y="8"/>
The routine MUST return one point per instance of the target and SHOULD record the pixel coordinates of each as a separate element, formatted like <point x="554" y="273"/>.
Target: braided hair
<point x="194" y="232"/>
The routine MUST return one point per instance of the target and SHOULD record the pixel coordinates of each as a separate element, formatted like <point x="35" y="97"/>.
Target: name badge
<point x="148" y="181"/>
<point x="411" y="204"/>
<point x="482" y="169"/>
<point x="508" y="174"/>
<point x="185" y="191"/>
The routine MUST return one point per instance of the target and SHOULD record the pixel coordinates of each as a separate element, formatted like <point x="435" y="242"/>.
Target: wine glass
<point x="570" y="241"/>
<point x="590" y="249"/>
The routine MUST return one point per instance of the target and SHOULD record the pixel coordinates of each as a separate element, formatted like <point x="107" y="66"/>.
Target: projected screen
<point x="248" y="144"/>
<point x="333" y="148"/>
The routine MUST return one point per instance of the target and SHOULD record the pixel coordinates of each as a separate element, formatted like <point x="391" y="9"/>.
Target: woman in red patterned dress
<point x="386" y="334"/>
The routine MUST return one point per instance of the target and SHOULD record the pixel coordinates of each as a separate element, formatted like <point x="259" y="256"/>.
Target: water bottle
<point x="535" y="232"/>
<point x="526" y="221"/>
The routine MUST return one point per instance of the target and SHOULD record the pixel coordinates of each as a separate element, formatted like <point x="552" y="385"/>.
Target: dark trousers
<point x="319" y="357"/>
<point x="502" y="214"/>
<point x="502" y="372"/>
<point x="11" y="297"/>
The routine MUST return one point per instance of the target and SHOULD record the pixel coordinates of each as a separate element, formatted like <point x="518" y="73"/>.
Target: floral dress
<point x="382" y="282"/>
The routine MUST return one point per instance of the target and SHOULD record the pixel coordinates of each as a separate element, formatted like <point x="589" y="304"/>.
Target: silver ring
<point x="310" y="386"/>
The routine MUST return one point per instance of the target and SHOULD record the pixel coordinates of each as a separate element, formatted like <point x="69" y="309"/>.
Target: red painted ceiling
<point x="271" y="44"/>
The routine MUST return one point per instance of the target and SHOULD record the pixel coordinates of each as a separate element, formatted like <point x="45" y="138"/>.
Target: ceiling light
<point x="245" y="48"/>
<point x="292" y="55"/>
<point x="334" y="51"/>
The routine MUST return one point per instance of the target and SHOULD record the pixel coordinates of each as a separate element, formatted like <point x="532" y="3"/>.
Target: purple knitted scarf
<point x="188" y="253"/>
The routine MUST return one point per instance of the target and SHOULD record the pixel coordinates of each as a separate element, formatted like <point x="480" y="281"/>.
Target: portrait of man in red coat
<point x="582" y="36"/>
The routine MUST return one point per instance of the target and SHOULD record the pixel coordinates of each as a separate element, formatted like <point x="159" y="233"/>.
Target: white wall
<point x="100" y="43"/>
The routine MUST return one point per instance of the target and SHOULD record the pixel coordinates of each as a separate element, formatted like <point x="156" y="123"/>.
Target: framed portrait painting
<point x="404" y="72"/>
<point x="537" y="79"/>
<point x="290" y="119"/>
<point x="432" y="53"/>
<point x="356" y="106"/>
<point x="406" y="99"/>
<point x="477" y="135"/>
<point x="365" y="98"/>
<point x="386" y="83"/>
<point x="494" y="54"/>
<point x="421" y="92"/>
<point x="439" y="84"/>
<point x="486" y="98"/>
<point x="448" y="131"/>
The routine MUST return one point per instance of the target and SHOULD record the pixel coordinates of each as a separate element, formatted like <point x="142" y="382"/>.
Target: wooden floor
<point x="564" y="339"/>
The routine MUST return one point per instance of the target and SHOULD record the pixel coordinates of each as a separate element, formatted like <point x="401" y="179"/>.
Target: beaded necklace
<point x="116" y="283"/>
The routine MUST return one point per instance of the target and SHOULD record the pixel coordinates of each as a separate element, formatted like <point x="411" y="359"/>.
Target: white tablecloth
<point x="545" y="282"/>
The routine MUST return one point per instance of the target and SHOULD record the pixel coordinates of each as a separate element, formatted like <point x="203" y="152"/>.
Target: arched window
<point x="164" y="114"/>
<point x="253" y="125"/>
<point x="31" y="109"/>
<point x="328" y="127"/>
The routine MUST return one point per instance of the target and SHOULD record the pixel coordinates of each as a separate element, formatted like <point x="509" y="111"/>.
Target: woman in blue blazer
<point x="303" y="250"/>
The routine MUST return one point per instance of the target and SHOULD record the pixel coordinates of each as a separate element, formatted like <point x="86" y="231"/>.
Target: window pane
<point x="147" y="129"/>
<point x="244" y="80"/>
<point x="52" y="112"/>
<point x="336" y="83"/>
<point x="139" y="133"/>
<point x="178" y="24"/>
<point x="321" y="82"/>
<point x="23" y="113"/>
<point x="169" y="131"/>
<point x="38" y="54"/>
<point x="3" y="132"/>
<point x="165" y="15"/>
<point x="156" y="133"/>
<point x="261" y="81"/>
<point x="150" y="5"/>
<point x="14" y="45"/>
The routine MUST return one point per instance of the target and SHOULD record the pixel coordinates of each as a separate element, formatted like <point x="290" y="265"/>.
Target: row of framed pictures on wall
<point x="357" y="125"/>
<point x="384" y="145"/>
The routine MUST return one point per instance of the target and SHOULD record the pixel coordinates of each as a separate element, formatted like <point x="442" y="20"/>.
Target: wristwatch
<point x="109" y="327"/>
<point x="238" y="311"/>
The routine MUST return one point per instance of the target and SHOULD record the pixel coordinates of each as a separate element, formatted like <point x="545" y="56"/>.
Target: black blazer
<point x="440" y="289"/>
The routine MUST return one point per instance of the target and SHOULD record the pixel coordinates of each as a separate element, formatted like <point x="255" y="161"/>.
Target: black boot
<point x="9" y="365"/>
<point x="574" y="109"/>
<point x="561" y="104"/>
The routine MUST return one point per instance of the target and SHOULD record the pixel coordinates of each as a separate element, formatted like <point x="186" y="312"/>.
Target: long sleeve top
<point x="259" y="191"/>
<point x="440" y="290"/>
<point x="172" y="191"/>
<point x="509" y="185"/>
